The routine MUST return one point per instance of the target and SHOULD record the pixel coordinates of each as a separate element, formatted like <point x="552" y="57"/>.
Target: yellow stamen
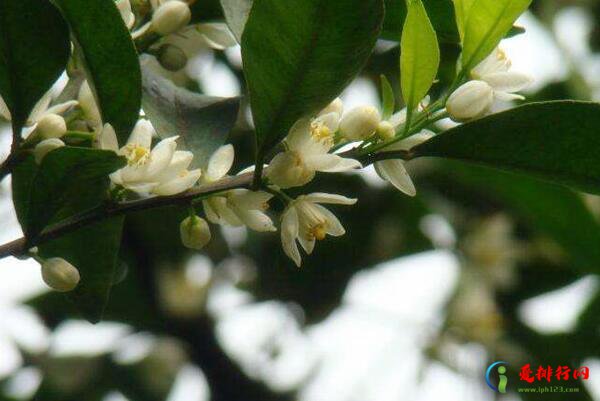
<point x="317" y="232"/>
<point x="320" y="132"/>
<point x="136" y="155"/>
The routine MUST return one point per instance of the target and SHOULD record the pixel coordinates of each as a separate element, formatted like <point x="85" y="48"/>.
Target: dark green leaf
<point x="110" y="58"/>
<point x="300" y="54"/>
<point x="236" y="13"/>
<point x="34" y="49"/>
<point x="552" y="210"/>
<point x="63" y="177"/>
<point x="557" y="141"/>
<point x="202" y="122"/>
<point x="388" y="99"/>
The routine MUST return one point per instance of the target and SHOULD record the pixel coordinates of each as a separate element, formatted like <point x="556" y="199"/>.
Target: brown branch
<point x="20" y="246"/>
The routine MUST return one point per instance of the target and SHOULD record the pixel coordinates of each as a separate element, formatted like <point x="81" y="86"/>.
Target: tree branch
<point x="21" y="245"/>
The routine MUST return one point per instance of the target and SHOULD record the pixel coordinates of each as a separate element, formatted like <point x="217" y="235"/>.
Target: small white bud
<point x="337" y="106"/>
<point x="46" y="146"/>
<point x="88" y="105"/>
<point x="471" y="100"/>
<point x="287" y="170"/>
<point x="386" y="130"/>
<point x="60" y="275"/>
<point x="195" y="232"/>
<point x="51" y="126"/>
<point x="360" y="123"/>
<point x="171" y="58"/>
<point x="171" y="17"/>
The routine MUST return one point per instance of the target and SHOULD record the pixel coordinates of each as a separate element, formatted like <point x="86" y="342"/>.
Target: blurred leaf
<point x="552" y="210"/>
<point x="440" y="12"/>
<point x="487" y="23"/>
<point x="62" y="178"/>
<point x="461" y="10"/>
<point x="34" y="49"/>
<point x="300" y="54"/>
<point x="110" y="59"/>
<point x="93" y="250"/>
<point x="556" y="141"/>
<point x="419" y="55"/>
<point x="389" y="101"/>
<point x="202" y="122"/>
<point x="236" y="13"/>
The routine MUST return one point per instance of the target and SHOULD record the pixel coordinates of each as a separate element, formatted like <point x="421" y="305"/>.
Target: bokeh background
<point x="414" y="303"/>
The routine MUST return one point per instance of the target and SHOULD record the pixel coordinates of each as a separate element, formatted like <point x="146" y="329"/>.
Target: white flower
<point x="60" y="275"/>
<point x="170" y="17"/>
<point x="360" y="123"/>
<point x="124" y="7"/>
<point x="195" y="232"/>
<point x="46" y="146"/>
<point x="308" y="145"/>
<point x="306" y="221"/>
<point x="394" y="170"/>
<point x="492" y="80"/>
<point x="237" y="207"/>
<point x="51" y="126"/>
<point x="160" y="171"/>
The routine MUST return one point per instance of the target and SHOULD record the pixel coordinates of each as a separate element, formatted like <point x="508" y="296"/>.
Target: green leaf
<point x="110" y="59"/>
<point x="488" y="22"/>
<point x="556" y="141"/>
<point x="389" y="101"/>
<point x="440" y="12"/>
<point x="34" y="50"/>
<point x="202" y="122"/>
<point x="236" y="14"/>
<point x="65" y="176"/>
<point x="419" y="55"/>
<point x="461" y="11"/>
<point x="300" y="54"/>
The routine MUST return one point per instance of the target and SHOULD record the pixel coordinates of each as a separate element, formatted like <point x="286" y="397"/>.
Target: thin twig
<point x="20" y="246"/>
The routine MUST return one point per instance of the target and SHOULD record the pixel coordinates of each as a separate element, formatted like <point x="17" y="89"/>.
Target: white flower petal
<point x="61" y="108"/>
<point x="210" y="212"/>
<point x="334" y="227"/>
<point x="333" y="199"/>
<point x="250" y="200"/>
<point x="217" y="35"/>
<point x="307" y="244"/>
<point x="178" y="185"/>
<point x="142" y="189"/>
<point x="395" y="173"/>
<point x="142" y="134"/>
<point x="398" y="119"/>
<point x="40" y="108"/>
<point x="329" y="163"/>
<point x="225" y="215"/>
<point x="508" y="81"/>
<point x="507" y="97"/>
<point x="220" y="163"/>
<point x="255" y="220"/>
<point x="330" y="120"/>
<point x="181" y="161"/>
<point x="107" y="139"/>
<point x="4" y="112"/>
<point x="161" y="157"/>
<point x="289" y="232"/>
<point x="299" y="135"/>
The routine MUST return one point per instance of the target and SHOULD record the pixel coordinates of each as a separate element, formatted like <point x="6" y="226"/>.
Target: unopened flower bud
<point x="51" y="126"/>
<point x="287" y="170"/>
<point x="337" y="106"/>
<point x="88" y="105"/>
<point x="45" y="147"/>
<point x="171" y="58"/>
<point x="360" y="123"/>
<point x="386" y="130"/>
<point x="171" y="17"/>
<point x="195" y="232"/>
<point x="471" y="100"/>
<point x="60" y="275"/>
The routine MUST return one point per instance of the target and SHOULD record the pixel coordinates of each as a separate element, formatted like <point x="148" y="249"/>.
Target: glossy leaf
<point x="202" y="122"/>
<point x="236" y="14"/>
<point x="488" y="22"/>
<point x="556" y="141"/>
<point x="461" y="11"/>
<point x="388" y="98"/>
<point x="110" y="58"/>
<point x="34" y="49"/>
<point x="419" y="55"/>
<point x="63" y="177"/>
<point x="300" y="54"/>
